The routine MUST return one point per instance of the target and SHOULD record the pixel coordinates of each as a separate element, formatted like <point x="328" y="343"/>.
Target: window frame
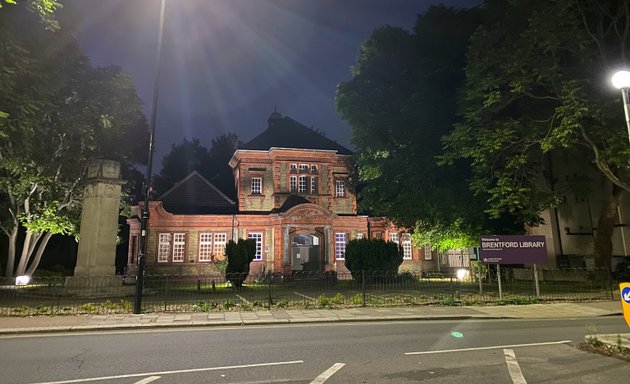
<point x="256" y="183"/>
<point x="172" y="247"/>
<point x="341" y="240"/>
<point x="259" y="237"/>
<point x="340" y="188"/>
<point x="302" y="186"/>
<point x="405" y="243"/>
<point x="293" y="182"/>
<point x="205" y="246"/>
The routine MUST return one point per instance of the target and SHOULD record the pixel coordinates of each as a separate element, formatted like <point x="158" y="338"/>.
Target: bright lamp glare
<point x="621" y="80"/>
<point x="22" y="280"/>
<point x="462" y="273"/>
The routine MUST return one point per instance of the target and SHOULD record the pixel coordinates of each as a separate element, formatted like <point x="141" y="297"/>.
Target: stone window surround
<point x="171" y="247"/>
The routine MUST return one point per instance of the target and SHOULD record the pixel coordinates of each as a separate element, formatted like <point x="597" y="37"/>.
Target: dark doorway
<point x="306" y="253"/>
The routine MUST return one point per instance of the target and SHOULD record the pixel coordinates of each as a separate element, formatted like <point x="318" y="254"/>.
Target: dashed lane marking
<point x="148" y="380"/>
<point x="513" y="368"/>
<point x="327" y="373"/>
<point x="484" y="348"/>
<point x="173" y="372"/>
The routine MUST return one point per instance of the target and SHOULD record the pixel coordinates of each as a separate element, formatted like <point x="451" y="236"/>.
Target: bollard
<point x="214" y="286"/>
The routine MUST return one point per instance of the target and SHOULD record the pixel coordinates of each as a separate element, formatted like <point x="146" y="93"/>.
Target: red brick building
<point x="296" y="198"/>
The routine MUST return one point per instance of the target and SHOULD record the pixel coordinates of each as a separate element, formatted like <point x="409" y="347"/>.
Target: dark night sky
<point x="226" y="63"/>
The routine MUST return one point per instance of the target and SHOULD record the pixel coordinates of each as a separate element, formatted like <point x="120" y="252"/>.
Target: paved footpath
<point x="44" y="324"/>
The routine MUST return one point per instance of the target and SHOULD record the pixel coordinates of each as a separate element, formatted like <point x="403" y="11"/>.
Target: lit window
<point x="427" y="252"/>
<point x="179" y="245"/>
<point x="393" y="237"/>
<point x="406" y="246"/>
<point x="293" y="168"/>
<point x="314" y="169"/>
<point x="164" y="247"/>
<point x="340" y="188"/>
<point x="218" y="251"/>
<point x="302" y="182"/>
<point x="303" y="168"/>
<point x="205" y="246"/>
<point x="256" y="185"/>
<point x="314" y="185"/>
<point x="258" y="236"/>
<point x="340" y="245"/>
<point x="360" y="236"/>
<point x="293" y="184"/>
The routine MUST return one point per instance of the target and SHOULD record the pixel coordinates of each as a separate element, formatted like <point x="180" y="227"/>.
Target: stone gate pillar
<point x="95" y="270"/>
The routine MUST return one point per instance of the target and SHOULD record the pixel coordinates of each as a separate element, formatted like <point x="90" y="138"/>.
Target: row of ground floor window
<point x="305" y="238"/>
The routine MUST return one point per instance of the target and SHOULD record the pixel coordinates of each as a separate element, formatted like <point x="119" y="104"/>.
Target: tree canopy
<point x="401" y="100"/>
<point x="537" y="89"/>
<point x="59" y="114"/>
<point x="191" y="155"/>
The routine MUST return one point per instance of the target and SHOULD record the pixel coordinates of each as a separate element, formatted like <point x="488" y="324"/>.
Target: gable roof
<point x="196" y="195"/>
<point x="284" y="132"/>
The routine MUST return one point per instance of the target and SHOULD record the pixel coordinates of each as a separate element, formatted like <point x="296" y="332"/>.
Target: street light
<point x="144" y="221"/>
<point x="621" y="81"/>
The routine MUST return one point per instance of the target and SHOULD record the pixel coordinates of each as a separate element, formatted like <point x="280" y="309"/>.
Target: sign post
<point x="536" y="281"/>
<point x="625" y="301"/>
<point x="499" y="280"/>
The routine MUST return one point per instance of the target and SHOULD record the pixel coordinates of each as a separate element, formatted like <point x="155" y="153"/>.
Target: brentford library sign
<point x="513" y="249"/>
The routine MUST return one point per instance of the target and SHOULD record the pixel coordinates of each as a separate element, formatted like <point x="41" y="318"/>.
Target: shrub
<point x="239" y="255"/>
<point x="375" y="257"/>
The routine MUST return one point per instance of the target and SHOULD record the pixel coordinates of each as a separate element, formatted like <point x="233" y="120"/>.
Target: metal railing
<point x="308" y="290"/>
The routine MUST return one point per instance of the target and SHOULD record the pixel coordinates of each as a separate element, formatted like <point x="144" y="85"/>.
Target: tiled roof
<point x="196" y="195"/>
<point x="291" y="202"/>
<point x="284" y="132"/>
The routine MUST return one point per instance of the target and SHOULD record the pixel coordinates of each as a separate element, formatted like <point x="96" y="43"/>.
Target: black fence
<point x="185" y="293"/>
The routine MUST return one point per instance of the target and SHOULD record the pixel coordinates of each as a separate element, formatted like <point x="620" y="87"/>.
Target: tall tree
<point x="190" y="155"/>
<point x="221" y="151"/>
<point x="182" y="159"/>
<point x="60" y="113"/>
<point x="45" y="9"/>
<point x="402" y="98"/>
<point x="537" y="86"/>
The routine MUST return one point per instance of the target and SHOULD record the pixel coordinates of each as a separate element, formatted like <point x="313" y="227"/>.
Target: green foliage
<point x="518" y="300"/>
<point x="372" y="256"/>
<point x="45" y="9"/>
<point x="535" y="99"/>
<point x="239" y="255"/>
<point x="401" y="100"/>
<point x="324" y="301"/>
<point x="59" y="114"/>
<point x="190" y="155"/>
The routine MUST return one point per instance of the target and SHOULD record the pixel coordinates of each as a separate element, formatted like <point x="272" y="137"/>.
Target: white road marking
<point x="244" y="300"/>
<point x="484" y="348"/>
<point x="327" y="373"/>
<point x="515" y="370"/>
<point x="173" y="372"/>
<point x="148" y="380"/>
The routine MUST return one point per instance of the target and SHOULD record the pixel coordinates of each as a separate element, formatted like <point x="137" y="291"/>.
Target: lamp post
<point x="621" y="81"/>
<point x="137" y="302"/>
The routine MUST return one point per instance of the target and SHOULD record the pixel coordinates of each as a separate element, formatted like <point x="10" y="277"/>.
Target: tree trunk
<point x="603" y="247"/>
<point x="8" y="273"/>
<point x="38" y="255"/>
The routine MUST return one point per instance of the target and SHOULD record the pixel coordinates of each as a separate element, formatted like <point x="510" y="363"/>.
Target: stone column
<point x="94" y="273"/>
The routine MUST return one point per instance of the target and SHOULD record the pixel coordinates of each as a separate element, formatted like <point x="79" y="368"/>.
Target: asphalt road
<point x="472" y="351"/>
